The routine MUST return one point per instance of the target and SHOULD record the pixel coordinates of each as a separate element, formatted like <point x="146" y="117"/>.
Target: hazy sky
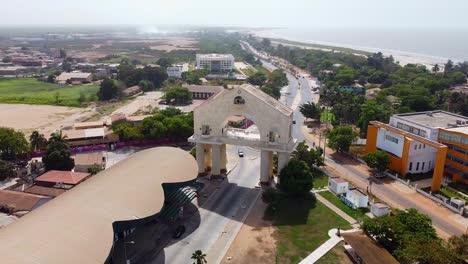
<point x="258" y="13"/>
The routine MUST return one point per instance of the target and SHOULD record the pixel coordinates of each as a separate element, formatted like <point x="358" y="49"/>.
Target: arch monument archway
<point x="273" y="119"/>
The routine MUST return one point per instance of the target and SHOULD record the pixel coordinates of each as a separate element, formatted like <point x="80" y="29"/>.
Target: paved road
<point x="382" y="191"/>
<point x="221" y="216"/>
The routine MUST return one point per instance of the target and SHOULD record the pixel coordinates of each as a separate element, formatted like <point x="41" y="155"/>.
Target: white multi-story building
<point x="175" y="71"/>
<point x="215" y="63"/>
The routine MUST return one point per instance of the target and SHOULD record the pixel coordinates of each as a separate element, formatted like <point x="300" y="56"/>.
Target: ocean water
<point x="436" y="43"/>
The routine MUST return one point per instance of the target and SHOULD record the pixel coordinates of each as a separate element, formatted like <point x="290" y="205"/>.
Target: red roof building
<point x="55" y="177"/>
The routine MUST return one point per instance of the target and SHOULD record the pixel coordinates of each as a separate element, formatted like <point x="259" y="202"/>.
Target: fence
<point x="437" y="200"/>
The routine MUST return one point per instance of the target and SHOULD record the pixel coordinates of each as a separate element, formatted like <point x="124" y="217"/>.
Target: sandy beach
<point x="400" y="56"/>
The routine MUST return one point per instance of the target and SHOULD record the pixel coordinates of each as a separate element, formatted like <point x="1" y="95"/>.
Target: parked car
<point x="179" y="231"/>
<point x="241" y="153"/>
<point x="380" y="175"/>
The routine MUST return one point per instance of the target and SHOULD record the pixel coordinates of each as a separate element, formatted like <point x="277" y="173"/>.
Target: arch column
<point x="283" y="159"/>
<point x="216" y="160"/>
<point x="207" y="148"/>
<point x="200" y="154"/>
<point x="266" y="166"/>
<point x="223" y="158"/>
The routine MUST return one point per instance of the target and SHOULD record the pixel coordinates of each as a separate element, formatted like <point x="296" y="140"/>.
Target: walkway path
<point x="325" y="247"/>
<point x="337" y="210"/>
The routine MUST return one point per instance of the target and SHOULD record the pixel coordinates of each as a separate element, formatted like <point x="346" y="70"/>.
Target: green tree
<point x="436" y="68"/>
<point x="459" y="245"/>
<point x="58" y="154"/>
<point x="457" y="78"/>
<point x="108" y="90"/>
<point x="312" y="157"/>
<point x="146" y="86"/>
<point x="396" y="232"/>
<point x="6" y="59"/>
<point x="371" y="111"/>
<point x="199" y="257"/>
<point x="277" y="79"/>
<point x="95" y="169"/>
<point x="57" y="97"/>
<point x="12" y="143"/>
<point x="448" y="67"/>
<point x="259" y="78"/>
<point x="82" y="98"/>
<point x="37" y="141"/>
<point x="6" y="170"/>
<point x="51" y="78"/>
<point x="377" y="160"/>
<point x="178" y="95"/>
<point x="310" y="110"/>
<point x="164" y="62"/>
<point x="63" y="53"/>
<point x="296" y="178"/>
<point x="340" y="138"/>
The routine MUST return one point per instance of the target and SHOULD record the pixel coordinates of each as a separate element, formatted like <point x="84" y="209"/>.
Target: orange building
<point x="426" y="142"/>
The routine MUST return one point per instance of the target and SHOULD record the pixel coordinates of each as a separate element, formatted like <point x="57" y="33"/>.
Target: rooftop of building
<point x="434" y="119"/>
<point x="20" y="201"/>
<point x="137" y="118"/>
<point x="380" y="205"/>
<point x="463" y="129"/>
<point x="77" y="226"/>
<point x="84" y="133"/>
<point x="368" y="249"/>
<point x="65" y="177"/>
<point x="338" y="179"/>
<point x="89" y="158"/>
<point x="204" y="88"/>
<point x="46" y="191"/>
<point x="88" y="124"/>
<point x="73" y="75"/>
<point x="356" y="191"/>
<point x="215" y="56"/>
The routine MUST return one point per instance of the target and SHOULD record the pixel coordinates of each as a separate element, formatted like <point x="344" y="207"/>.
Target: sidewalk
<point x="327" y="246"/>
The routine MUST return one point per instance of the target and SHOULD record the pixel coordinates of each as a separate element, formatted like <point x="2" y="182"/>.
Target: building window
<point x="430" y="164"/>
<point x="422" y="168"/>
<point x="417" y="166"/>
<point x="411" y="166"/>
<point x="415" y="146"/>
<point x="239" y="100"/>
<point x="424" y="146"/>
<point x="205" y="130"/>
<point x="419" y="146"/>
<point x="392" y="139"/>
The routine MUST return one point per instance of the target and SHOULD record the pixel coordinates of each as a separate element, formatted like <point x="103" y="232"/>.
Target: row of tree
<point x="168" y="123"/>
<point x="410" y="237"/>
<point x="271" y="83"/>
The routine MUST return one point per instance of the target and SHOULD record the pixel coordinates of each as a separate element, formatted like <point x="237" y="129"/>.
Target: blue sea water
<point x="438" y="43"/>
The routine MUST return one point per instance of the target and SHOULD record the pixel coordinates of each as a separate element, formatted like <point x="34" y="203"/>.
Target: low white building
<point x="357" y="197"/>
<point x="215" y="63"/>
<point x="74" y="77"/>
<point x="379" y="209"/>
<point x="337" y="185"/>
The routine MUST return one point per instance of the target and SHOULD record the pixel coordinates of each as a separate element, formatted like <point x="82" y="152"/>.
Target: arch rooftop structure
<point x="273" y="119"/>
<point x="81" y="225"/>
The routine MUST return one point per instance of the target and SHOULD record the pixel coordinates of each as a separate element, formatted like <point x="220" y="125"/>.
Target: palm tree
<point x="436" y="68"/>
<point x="37" y="141"/>
<point x="57" y="136"/>
<point x="198" y="257"/>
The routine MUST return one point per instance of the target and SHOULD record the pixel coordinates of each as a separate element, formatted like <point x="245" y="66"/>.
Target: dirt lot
<point x="44" y="118"/>
<point x="254" y="243"/>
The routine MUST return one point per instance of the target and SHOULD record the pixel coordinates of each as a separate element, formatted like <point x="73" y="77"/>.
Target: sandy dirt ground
<point x="141" y="103"/>
<point x="255" y="242"/>
<point x="44" y="118"/>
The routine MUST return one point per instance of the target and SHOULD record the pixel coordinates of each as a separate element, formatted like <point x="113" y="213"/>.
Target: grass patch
<point x="335" y="255"/>
<point x="252" y="71"/>
<point x="320" y="179"/>
<point x="463" y="188"/>
<point x="357" y="214"/>
<point x="32" y="91"/>
<point x="302" y="226"/>
<point x="446" y="192"/>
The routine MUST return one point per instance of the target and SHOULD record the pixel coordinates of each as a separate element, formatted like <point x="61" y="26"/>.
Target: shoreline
<point x="401" y="57"/>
